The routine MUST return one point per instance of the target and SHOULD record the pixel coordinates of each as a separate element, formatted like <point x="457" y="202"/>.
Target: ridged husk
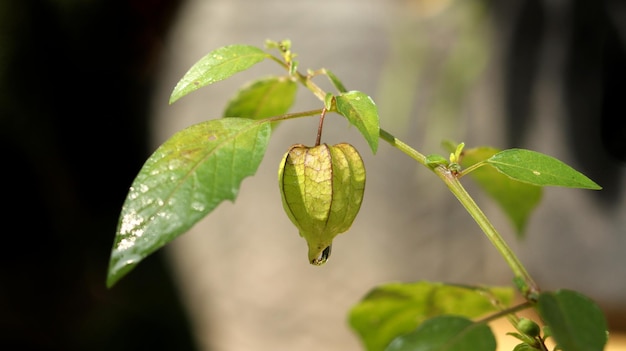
<point x="322" y="190"/>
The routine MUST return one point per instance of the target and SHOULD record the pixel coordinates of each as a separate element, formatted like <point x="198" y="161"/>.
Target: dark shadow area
<point x="75" y="78"/>
<point x="591" y="78"/>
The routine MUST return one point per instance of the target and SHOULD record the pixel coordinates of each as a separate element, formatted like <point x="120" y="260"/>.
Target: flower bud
<point x="528" y="327"/>
<point x="321" y="189"/>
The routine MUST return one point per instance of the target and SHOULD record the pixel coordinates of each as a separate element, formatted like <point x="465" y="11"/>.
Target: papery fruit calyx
<point x="322" y="190"/>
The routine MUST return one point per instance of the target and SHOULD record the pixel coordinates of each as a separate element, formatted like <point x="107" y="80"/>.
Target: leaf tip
<point x="111" y="280"/>
<point x="177" y="93"/>
<point x="117" y="270"/>
<point x="374" y="146"/>
<point x="172" y="99"/>
<point x="594" y="186"/>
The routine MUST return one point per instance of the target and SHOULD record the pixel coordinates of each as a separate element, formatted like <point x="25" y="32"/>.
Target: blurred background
<point x="84" y="87"/>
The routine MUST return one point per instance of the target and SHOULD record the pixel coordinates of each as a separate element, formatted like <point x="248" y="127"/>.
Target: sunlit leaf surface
<point x="446" y="333"/>
<point x="184" y="180"/>
<point x="538" y="169"/>
<point x="398" y="308"/>
<point x="361" y="112"/>
<point x="217" y="65"/>
<point x="263" y="98"/>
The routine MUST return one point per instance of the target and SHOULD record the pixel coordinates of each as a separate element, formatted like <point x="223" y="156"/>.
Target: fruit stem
<point x="320" y="127"/>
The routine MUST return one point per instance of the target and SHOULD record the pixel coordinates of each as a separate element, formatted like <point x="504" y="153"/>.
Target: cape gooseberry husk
<point x="322" y="190"/>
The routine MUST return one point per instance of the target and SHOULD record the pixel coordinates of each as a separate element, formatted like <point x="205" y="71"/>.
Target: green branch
<point x="400" y="145"/>
<point x="452" y="182"/>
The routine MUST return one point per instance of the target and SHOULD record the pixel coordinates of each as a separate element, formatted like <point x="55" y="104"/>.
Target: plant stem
<point x="506" y="312"/>
<point x="398" y="144"/>
<point x="294" y="115"/>
<point x="314" y="88"/>
<point x="496" y="239"/>
<point x="452" y="182"/>
<point x="472" y="168"/>
<point x="318" y="140"/>
<point x="303" y="79"/>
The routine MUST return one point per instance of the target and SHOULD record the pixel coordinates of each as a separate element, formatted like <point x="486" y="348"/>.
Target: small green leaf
<point x="525" y="347"/>
<point x="445" y="333"/>
<point x="263" y="98"/>
<point x="456" y="155"/>
<point x="576" y="322"/>
<point x="218" y="65"/>
<point x="394" y="309"/>
<point x="184" y="180"/>
<point x="362" y="112"/>
<point x="516" y="199"/>
<point x="434" y="160"/>
<point x="538" y="169"/>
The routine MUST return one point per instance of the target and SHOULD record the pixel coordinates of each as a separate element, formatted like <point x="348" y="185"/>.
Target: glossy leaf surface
<point x="576" y="322"/>
<point x="538" y="169"/>
<point x="184" y="180"/>
<point x="263" y="98"/>
<point x="361" y="111"/>
<point x="217" y="65"/>
<point x="398" y="308"/>
<point x="516" y="199"/>
<point x="446" y="333"/>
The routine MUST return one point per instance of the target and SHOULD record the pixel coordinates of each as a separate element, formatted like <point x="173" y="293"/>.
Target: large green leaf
<point x="184" y="180"/>
<point x="361" y="111"/>
<point x="263" y="98"/>
<point x="538" y="169"/>
<point x="397" y="308"/>
<point x="446" y="333"/>
<point x="218" y="65"/>
<point x="575" y="321"/>
<point x="516" y="199"/>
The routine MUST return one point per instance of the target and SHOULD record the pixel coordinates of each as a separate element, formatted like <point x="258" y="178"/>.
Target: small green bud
<point x="322" y="190"/>
<point x="528" y="327"/>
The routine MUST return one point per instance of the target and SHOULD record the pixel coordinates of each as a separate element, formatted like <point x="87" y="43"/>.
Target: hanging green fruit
<point x="322" y="190"/>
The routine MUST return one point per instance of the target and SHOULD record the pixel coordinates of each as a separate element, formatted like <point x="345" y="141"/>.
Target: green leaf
<point x="361" y="111"/>
<point x="434" y="160"/>
<point x="217" y="65"/>
<point x="575" y="321"/>
<point x="525" y="347"/>
<point x="446" y="333"/>
<point x="394" y="309"/>
<point x="263" y="98"/>
<point x="538" y="169"/>
<point x="184" y="180"/>
<point x="516" y="199"/>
